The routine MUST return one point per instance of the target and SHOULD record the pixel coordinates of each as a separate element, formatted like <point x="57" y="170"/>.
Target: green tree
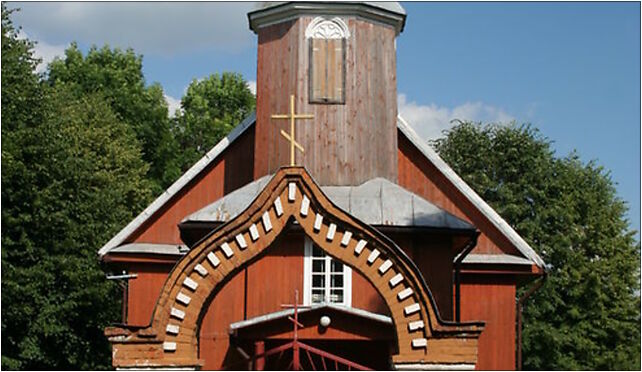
<point x="118" y="76"/>
<point x="71" y="174"/>
<point x="78" y="175"/>
<point x="587" y="315"/>
<point x="210" y="110"/>
<point x="20" y="84"/>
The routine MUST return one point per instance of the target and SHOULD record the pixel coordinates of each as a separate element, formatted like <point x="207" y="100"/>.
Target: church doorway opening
<point x="323" y="355"/>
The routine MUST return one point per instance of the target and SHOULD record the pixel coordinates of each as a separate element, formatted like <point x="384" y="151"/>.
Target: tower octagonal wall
<point x="352" y="93"/>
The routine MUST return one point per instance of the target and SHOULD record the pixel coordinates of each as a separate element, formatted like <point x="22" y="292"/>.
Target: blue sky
<point x="570" y="69"/>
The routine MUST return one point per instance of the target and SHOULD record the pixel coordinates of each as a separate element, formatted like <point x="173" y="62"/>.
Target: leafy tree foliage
<point x="587" y="315"/>
<point x="20" y="86"/>
<point x="210" y="109"/>
<point x="71" y="174"/>
<point x="118" y="76"/>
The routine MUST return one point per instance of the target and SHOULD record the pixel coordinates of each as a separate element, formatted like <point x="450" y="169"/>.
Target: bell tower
<point x="339" y="62"/>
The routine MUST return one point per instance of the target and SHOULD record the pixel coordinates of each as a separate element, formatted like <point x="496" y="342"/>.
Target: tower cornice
<point x="391" y="14"/>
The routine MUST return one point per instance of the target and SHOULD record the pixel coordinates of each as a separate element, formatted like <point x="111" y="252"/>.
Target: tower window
<point x="326" y="280"/>
<point x="327" y="44"/>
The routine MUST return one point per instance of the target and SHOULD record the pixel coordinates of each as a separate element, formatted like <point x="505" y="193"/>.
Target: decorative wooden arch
<point x="171" y="340"/>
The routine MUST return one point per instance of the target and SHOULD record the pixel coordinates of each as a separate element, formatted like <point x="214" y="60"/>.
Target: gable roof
<point x="469" y="193"/>
<point x="181" y="182"/>
<point x="405" y="129"/>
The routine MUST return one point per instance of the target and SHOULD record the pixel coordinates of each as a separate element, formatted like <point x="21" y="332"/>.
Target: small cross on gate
<point x="295" y="340"/>
<point x="290" y="136"/>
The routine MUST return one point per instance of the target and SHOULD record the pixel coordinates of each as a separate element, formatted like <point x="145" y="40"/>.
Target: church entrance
<point x="318" y="337"/>
<point x="316" y="355"/>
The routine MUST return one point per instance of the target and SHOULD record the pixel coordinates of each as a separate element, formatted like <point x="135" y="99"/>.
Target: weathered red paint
<point x="491" y="298"/>
<point x="231" y="170"/>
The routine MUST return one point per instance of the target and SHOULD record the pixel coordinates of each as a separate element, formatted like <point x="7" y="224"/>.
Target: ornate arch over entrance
<point x="171" y="339"/>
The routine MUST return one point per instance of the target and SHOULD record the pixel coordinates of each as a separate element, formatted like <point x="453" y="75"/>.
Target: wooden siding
<point x="282" y="268"/>
<point x="230" y="171"/>
<point x="143" y="291"/>
<point x="491" y="299"/>
<point x="345" y="144"/>
<point x="432" y="254"/>
<point x="418" y="175"/>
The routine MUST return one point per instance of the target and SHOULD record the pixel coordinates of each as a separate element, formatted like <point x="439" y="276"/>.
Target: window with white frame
<point x="326" y="280"/>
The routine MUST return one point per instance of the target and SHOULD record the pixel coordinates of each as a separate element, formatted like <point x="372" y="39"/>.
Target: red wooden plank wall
<point x="271" y="281"/>
<point x="143" y="291"/>
<point x="418" y="175"/>
<point x="491" y="299"/>
<point x="231" y="170"/>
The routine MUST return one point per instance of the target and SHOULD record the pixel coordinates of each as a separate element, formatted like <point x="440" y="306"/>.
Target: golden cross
<point x="290" y="136"/>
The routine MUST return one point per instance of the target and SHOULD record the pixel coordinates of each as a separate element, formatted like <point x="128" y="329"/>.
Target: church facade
<point x="322" y="232"/>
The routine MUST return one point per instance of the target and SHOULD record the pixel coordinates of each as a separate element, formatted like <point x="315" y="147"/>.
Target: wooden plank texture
<point x="345" y="144"/>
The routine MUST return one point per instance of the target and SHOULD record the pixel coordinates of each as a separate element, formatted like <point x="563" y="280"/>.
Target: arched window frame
<point x="327" y="68"/>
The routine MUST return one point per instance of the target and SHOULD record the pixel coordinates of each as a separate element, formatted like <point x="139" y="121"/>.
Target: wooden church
<point x="322" y="232"/>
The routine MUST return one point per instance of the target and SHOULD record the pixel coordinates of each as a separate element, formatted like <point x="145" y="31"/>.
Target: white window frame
<point x="307" y="277"/>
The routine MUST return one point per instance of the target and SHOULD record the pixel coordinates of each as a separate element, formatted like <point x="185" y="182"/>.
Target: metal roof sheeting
<point x="502" y="259"/>
<point x="289" y="312"/>
<point x="405" y="129"/>
<point x="377" y="202"/>
<point x="391" y="6"/>
<point x="169" y="249"/>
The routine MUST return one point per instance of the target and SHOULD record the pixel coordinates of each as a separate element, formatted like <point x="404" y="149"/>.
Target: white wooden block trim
<point x="411" y="309"/>
<point x="267" y="224"/>
<point x="385" y="266"/>
<point x="240" y="240"/>
<point x="305" y="206"/>
<point x="413" y="326"/>
<point x="317" y="222"/>
<point x="182" y="298"/>
<point x="176" y="313"/>
<point x="189" y="283"/>
<point x="278" y="207"/>
<point x="291" y="191"/>
<point x="359" y="248"/>
<point x="172" y="329"/>
<point x="346" y="238"/>
<point x="169" y="346"/>
<point x="395" y="280"/>
<point x="227" y="250"/>
<point x="373" y="256"/>
<point x="254" y="233"/>
<point x="331" y="230"/>
<point x="201" y="270"/>
<point x="211" y="257"/>
<point x="404" y="294"/>
<point x="419" y="342"/>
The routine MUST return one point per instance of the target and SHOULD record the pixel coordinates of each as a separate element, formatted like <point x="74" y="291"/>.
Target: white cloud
<point x="148" y="27"/>
<point x="173" y="105"/>
<point x="252" y="85"/>
<point x="431" y="120"/>
<point x="46" y="52"/>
